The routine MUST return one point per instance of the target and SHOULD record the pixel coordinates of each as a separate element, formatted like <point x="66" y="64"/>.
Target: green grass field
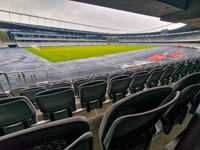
<point x="59" y="54"/>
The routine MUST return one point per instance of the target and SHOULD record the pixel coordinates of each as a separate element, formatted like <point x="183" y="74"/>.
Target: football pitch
<point x="60" y="54"/>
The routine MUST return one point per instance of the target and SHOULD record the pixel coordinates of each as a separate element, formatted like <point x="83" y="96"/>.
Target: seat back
<point x="129" y="123"/>
<point x="4" y="95"/>
<point x="176" y="73"/>
<point x="100" y="77"/>
<point x="15" y="115"/>
<point x="13" y="99"/>
<point x="177" y="113"/>
<point x="138" y="81"/>
<point x="164" y="79"/>
<point x="187" y="81"/>
<point x="77" y="85"/>
<point x="85" y="142"/>
<point x="118" y="86"/>
<point x="58" y="85"/>
<point x="154" y="77"/>
<point x="188" y="138"/>
<point x="16" y="92"/>
<point x="113" y="75"/>
<point x="30" y="93"/>
<point x="72" y="134"/>
<point x="57" y="103"/>
<point x="92" y="94"/>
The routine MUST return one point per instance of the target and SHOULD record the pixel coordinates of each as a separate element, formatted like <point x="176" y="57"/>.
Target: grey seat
<point x="113" y="75"/>
<point x="30" y="93"/>
<point x="15" y="115"/>
<point x="69" y="134"/>
<point x="100" y="77"/>
<point x="138" y="81"/>
<point x="16" y="92"/>
<point x="129" y="124"/>
<point x="165" y="77"/>
<point x="92" y="94"/>
<point x="154" y="77"/>
<point x="118" y="86"/>
<point x="58" y="85"/>
<point x="189" y="88"/>
<point x="176" y="73"/>
<point x="4" y="95"/>
<point x="56" y="103"/>
<point x="77" y="84"/>
<point x="13" y="99"/>
<point x="188" y="139"/>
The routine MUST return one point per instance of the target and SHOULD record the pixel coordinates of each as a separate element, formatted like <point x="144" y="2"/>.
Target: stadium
<point x="67" y="85"/>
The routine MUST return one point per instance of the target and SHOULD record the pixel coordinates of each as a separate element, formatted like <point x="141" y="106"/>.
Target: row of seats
<point x="133" y="117"/>
<point x="118" y="85"/>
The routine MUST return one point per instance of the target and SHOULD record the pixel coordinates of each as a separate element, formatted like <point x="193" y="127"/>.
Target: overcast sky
<point x="82" y="13"/>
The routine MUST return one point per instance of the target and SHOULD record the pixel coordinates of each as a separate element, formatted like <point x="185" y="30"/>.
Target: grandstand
<point x="136" y="100"/>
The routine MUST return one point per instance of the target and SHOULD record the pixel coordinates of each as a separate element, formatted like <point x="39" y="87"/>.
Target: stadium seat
<point x="197" y="65"/>
<point x="4" y="95"/>
<point x="67" y="134"/>
<point x="30" y="93"/>
<point x="176" y="73"/>
<point x="77" y="84"/>
<point x="177" y="113"/>
<point x="56" y="103"/>
<point x="191" y="69"/>
<point x="92" y="94"/>
<point x="46" y="85"/>
<point x="129" y="124"/>
<point x="15" y="115"/>
<point x="154" y="78"/>
<point x="112" y="75"/>
<point x="12" y="99"/>
<point x="189" y="138"/>
<point x="165" y="77"/>
<point x="58" y="85"/>
<point x="100" y="77"/>
<point x="138" y="81"/>
<point x="16" y="92"/>
<point x="118" y="86"/>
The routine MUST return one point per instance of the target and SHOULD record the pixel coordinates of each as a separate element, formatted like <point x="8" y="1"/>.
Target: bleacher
<point x="112" y="101"/>
<point x="25" y="34"/>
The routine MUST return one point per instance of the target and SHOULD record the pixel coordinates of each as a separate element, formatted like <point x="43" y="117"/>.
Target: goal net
<point x="36" y="47"/>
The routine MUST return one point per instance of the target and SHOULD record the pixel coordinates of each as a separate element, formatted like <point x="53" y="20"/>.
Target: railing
<point x="28" y="19"/>
<point x="25" y="78"/>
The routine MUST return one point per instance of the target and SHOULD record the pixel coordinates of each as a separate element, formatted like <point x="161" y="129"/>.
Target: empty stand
<point x="56" y="103"/>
